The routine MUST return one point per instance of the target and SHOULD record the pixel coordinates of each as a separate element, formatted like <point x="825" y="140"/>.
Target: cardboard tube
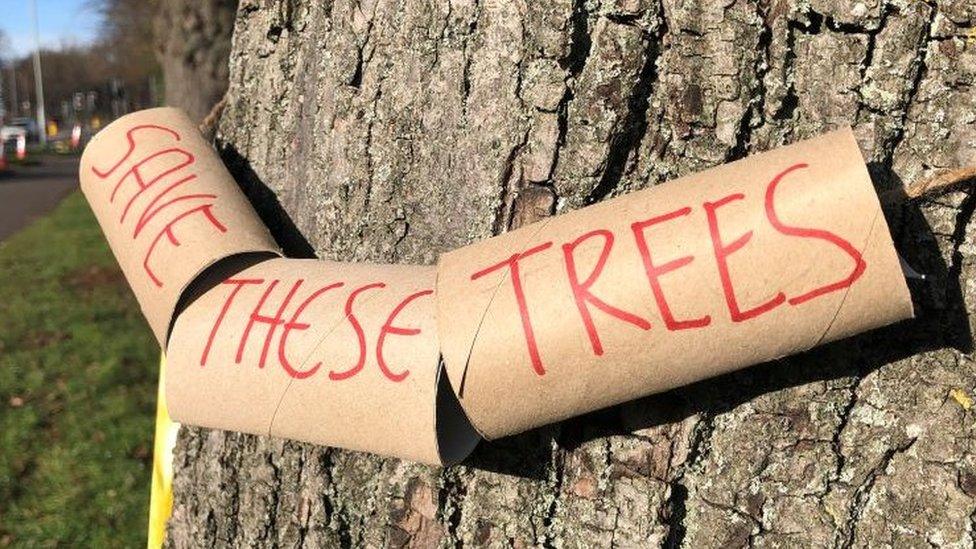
<point x="738" y="265"/>
<point x="338" y="354"/>
<point x="167" y="205"/>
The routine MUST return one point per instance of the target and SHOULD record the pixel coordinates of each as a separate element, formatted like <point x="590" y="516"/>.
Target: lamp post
<point x="14" y="104"/>
<point x="39" y="78"/>
<point x="3" y="99"/>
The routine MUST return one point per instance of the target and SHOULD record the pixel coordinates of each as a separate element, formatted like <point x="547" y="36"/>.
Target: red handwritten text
<point x="271" y="300"/>
<point x="151" y="168"/>
<point x="724" y="247"/>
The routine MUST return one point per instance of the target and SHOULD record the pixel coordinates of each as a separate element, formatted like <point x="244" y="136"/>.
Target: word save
<point x="158" y="180"/>
<point x="723" y="246"/>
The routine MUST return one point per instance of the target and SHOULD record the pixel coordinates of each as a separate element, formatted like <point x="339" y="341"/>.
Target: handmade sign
<point x="738" y="265"/>
<point x="167" y="205"/>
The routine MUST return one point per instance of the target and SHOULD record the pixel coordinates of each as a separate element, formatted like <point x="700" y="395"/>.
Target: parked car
<point x="27" y="124"/>
<point x="12" y="132"/>
<point x="9" y="136"/>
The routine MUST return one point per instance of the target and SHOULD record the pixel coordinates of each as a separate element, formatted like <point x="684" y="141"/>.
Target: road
<point x="28" y="192"/>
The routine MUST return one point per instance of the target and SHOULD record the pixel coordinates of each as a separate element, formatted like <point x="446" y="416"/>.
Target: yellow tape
<point x="161" y="500"/>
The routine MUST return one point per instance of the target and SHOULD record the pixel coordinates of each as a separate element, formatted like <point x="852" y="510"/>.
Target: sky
<point x="60" y="21"/>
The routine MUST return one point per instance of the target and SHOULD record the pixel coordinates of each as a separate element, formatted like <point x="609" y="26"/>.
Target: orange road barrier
<point x="21" y="147"/>
<point x="76" y="136"/>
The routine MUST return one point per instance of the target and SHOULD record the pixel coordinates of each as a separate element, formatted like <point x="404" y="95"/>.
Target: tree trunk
<point x="193" y="40"/>
<point x="388" y="132"/>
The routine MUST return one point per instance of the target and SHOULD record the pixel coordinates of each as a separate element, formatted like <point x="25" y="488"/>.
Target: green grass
<point x="78" y="371"/>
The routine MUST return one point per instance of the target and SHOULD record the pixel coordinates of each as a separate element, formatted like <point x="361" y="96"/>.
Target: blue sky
<point x="71" y="21"/>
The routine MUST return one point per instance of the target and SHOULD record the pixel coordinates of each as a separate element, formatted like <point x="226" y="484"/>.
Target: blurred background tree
<point x="5" y="52"/>
<point x="126" y="48"/>
<point x="114" y="74"/>
<point x="147" y="53"/>
<point x="193" y="40"/>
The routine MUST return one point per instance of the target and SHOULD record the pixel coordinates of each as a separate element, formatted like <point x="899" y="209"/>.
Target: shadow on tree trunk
<point x="267" y="205"/>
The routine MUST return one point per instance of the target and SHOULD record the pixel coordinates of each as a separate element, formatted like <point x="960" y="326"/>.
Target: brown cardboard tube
<point x="735" y="266"/>
<point x="167" y="205"/>
<point x="338" y="354"/>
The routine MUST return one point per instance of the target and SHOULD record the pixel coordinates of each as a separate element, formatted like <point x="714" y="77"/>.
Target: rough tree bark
<point x="193" y="40"/>
<point x="380" y="131"/>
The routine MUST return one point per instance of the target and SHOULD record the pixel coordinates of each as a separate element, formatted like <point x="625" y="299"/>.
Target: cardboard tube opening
<point x="219" y="271"/>
<point x="456" y="437"/>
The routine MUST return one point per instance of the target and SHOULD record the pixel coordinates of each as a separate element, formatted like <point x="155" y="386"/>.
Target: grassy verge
<point x="77" y="389"/>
